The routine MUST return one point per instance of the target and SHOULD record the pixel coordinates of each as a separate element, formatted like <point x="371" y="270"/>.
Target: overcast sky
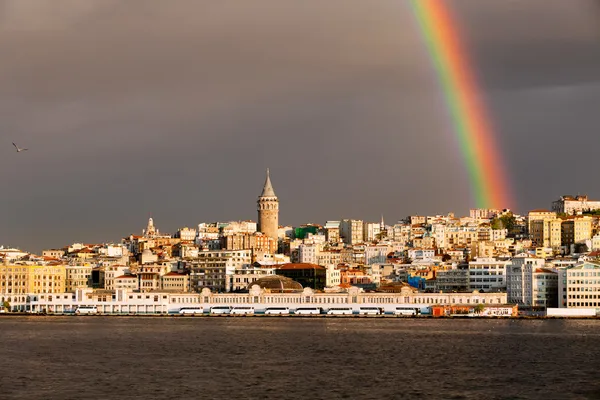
<point x="173" y="109"/>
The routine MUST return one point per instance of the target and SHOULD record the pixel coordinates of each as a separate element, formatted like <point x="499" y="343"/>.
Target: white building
<point x="528" y="283"/>
<point x="186" y="234"/>
<point x="574" y="204"/>
<point x="127" y="302"/>
<point x="420" y="254"/>
<point x="113" y="250"/>
<point x="487" y="275"/>
<point x="333" y="276"/>
<point x="579" y="286"/>
<point x="376" y="254"/>
<point x="307" y="253"/>
<point x="111" y="272"/>
<point x="245" y="276"/>
<point x="371" y="231"/>
<point x="215" y="269"/>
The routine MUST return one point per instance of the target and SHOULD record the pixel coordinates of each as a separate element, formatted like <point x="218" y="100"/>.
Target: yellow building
<point x="14" y="279"/>
<point x="18" y="279"/>
<point x="546" y="232"/>
<point x="539" y="215"/>
<point x="576" y="230"/>
<point x="78" y="277"/>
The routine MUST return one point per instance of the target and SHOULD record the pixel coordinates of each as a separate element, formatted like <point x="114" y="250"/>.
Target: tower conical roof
<point x="268" y="188"/>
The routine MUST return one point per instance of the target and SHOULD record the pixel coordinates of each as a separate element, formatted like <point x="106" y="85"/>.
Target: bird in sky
<point x="18" y="148"/>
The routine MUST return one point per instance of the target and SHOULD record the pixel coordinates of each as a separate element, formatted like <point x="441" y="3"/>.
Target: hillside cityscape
<point x="492" y="262"/>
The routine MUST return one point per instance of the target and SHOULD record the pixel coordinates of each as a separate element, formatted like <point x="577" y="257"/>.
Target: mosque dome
<point x="277" y="284"/>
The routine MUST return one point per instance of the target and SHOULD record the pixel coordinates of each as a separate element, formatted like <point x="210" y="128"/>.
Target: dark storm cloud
<point x="175" y="108"/>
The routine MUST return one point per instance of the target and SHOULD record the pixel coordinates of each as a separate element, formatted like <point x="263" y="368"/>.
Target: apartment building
<point x="530" y="284"/>
<point x="579" y="286"/>
<point x="487" y="275"/>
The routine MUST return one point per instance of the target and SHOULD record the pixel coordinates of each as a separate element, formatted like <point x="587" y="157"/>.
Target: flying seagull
<point x="18" y="148"/>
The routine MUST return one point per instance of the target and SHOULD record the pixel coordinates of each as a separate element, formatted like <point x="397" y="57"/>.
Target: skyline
<point x="175" y="112"/>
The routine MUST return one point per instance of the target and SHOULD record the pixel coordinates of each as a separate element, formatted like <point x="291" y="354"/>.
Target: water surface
<point x="297" y="358"/>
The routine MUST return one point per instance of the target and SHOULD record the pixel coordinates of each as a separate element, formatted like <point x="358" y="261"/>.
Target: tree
<point x="479" y="308"/>
<point x="6" y="305"/>
<point x="506" y="221"/>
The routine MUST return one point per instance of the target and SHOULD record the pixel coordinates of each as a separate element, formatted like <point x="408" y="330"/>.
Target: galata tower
<point x="268" y="210"/>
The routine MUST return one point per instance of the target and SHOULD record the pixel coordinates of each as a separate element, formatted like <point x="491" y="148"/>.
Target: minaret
<point x="268" y="210"/>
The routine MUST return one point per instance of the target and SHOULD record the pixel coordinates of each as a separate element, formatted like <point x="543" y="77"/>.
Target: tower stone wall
<point x="268" y="210"/>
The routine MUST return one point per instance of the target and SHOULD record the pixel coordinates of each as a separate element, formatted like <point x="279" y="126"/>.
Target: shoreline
<point x="357" y="316"/>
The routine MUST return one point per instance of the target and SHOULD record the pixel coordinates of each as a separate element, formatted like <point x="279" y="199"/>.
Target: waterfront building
<point x="127" y="302"/>
<point x="579" y="286"/>
<point x="268" y="210"/>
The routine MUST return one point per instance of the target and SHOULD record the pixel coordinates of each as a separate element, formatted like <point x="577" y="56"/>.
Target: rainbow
<point x="472" y="125"/>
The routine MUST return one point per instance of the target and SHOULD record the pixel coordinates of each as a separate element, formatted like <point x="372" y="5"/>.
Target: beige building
<point x="576" y="230"/>
<point x="129" y="282"/>
<point x="351" y="231"/>
<point x="78" y="277"/>
<point x="268" y="210"/>
<point x="54" y="253"/>
<point x="14" y="279"/>
<point x="537" y="215"/>
<point x="546" y="232"/>
<point x="571" y="205"/>
<point x="242" y="277"/>
<point x="175" y="282"/>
